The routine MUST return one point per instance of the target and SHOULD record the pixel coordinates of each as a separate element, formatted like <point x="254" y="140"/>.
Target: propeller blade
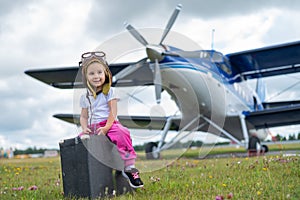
<point x="171" y="22"/>
<point x="136" y="34"/>
<point x="157" y="82"/>
<point x="129" y="70"/>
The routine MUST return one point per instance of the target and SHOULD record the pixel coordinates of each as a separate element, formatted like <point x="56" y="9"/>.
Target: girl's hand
<point x="86" y="130"/>
<point x="101" y="130"/>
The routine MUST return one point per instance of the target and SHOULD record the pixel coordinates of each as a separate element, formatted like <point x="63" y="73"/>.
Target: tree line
<point x="290" y="137"/>
<point x="30" y="150"/>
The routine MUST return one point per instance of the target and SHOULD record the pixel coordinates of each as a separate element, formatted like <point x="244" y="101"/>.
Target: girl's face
<point x="96" y="75"/>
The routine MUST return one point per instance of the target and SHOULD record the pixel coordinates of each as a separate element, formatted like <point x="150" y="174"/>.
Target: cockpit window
<point x="216" y="57"/>
<point x="212" y="56"/>
<point x="224" y="68"/>
<point x="221" y="62"/>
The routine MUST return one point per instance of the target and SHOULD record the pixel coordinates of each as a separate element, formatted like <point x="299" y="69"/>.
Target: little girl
<point x="99" y="111"/>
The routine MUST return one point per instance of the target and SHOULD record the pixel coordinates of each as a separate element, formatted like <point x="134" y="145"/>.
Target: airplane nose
<point x="155" y="52"/>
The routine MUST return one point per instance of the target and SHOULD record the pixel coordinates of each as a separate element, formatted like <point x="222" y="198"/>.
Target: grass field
<point x="264" y="177"/>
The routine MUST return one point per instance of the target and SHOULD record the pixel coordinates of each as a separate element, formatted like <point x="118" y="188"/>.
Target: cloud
<point x="233" y="33"/>
<point x="38" y="34"/>
<point x="285" y="28"/>
<point x="26" y="95"/>
<point x="108" y="17"/>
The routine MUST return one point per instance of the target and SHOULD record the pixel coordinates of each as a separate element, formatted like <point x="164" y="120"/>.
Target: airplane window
<point x="217" y="57"/>
<point x="224" y="68"/>
<point x="222" y="63"/>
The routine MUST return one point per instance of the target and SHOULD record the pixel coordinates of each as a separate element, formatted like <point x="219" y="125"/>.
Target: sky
<point x="37" y="34"/>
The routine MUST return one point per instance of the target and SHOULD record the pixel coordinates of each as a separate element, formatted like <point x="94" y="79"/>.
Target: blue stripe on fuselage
<point x="204" y="67"/>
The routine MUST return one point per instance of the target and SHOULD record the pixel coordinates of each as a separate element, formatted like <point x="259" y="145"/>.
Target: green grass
<point x="44" y="173"/>
<point x="245" y="178"/>
<point x="265" y="177"/>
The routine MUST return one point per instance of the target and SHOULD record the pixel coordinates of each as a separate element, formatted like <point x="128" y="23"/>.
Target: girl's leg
<point x="120" y="136"/>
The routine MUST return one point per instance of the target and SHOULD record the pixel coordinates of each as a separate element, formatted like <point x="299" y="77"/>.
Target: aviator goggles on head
<point x="89" y="55"/>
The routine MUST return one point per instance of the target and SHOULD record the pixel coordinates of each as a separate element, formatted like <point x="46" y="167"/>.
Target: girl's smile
<point x="96" y="75"/>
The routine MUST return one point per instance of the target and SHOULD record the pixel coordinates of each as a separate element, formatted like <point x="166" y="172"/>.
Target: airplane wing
<point x="125" y="74"/>
<point x="267" y="118"/>
<point x="267" y="61"/>
<point x="147" y="122"/>
<point x="135" y="122"/>
<point x="158" y="123"/>
<point x="64" y="77"/>
<point x="71" y="118"/>
<point x="276" y="104"/>
<point x="274" y="117"/>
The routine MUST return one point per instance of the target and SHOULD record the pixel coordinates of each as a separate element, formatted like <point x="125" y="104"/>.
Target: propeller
<point x="171" y="22"/>
<point x="155" y="52"/>
<point x="157" y="82"/>
<point x="136" y="34"/>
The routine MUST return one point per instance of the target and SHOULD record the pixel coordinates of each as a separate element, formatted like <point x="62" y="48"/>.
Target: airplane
<point x="210" y="89"/>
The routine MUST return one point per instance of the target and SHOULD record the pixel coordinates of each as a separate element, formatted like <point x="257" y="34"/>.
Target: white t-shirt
<point x="97" y="108"/>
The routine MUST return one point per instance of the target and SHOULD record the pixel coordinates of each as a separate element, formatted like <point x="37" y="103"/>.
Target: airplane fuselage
<point x="201" y="86"/>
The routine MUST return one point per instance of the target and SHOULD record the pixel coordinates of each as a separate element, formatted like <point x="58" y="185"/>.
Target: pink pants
<point x="120" y="136"/>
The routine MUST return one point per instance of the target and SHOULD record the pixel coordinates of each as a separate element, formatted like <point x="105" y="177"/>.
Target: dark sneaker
<point x="133" y="178"/>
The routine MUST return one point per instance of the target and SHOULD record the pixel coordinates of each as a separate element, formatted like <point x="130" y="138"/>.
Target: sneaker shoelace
<point x="135" y="175"/>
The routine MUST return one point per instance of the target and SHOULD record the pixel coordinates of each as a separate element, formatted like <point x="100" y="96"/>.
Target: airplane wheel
<point x="265" y="148"/>
<point x="151" y="154"/>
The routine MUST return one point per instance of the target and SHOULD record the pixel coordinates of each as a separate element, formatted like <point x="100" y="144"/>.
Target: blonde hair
<point x="108" y="77"/>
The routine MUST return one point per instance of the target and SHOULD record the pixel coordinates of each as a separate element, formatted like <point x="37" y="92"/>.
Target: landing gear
<point x="264" y="149"/>
<point x="255" y="148"/>
<point x="151" y="151"/>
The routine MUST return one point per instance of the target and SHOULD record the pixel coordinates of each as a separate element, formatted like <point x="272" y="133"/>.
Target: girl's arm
<point x="84" y="116"/>
<point x="112" y="104"/>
